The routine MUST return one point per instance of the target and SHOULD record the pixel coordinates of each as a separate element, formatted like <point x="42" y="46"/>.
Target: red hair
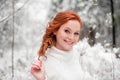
<point x="49" y="39"/>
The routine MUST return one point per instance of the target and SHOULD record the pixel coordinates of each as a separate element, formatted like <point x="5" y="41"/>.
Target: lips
<point x="68" y="42"/>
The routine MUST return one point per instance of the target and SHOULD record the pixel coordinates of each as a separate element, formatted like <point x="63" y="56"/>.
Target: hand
<point x="37" y="70"/>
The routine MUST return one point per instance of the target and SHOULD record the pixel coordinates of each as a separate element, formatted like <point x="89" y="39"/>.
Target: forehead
<point x="72" y="24"/>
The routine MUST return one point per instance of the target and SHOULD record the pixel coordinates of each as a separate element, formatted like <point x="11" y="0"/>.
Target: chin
<point x="67" y="48"/>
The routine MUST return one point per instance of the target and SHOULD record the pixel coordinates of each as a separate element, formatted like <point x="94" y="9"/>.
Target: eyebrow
<point x="70" y="29"/>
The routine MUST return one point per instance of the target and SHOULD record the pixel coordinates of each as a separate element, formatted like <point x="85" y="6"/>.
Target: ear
<point x="55" y="33"/>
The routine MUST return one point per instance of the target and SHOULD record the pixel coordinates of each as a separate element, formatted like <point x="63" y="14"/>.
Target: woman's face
<point x="67" y="35"/>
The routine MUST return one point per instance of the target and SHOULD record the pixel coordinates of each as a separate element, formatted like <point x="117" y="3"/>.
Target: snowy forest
<point x="23" y="23"/>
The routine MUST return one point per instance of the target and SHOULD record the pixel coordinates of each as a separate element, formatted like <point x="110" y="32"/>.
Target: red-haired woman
<point x="58" y="60"/>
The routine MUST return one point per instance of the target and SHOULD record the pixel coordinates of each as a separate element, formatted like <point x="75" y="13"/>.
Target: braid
<point x="48" y="42"/>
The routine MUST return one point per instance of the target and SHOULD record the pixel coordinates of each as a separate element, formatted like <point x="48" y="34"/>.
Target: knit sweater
<point x="63" y="65"/>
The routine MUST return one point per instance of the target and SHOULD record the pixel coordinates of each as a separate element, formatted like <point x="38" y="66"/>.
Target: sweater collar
<point x="60" y="54"/>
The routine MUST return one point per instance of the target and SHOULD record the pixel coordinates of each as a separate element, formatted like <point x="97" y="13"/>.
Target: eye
<point x="77" y="33"/>
<point x="67" y="31"/>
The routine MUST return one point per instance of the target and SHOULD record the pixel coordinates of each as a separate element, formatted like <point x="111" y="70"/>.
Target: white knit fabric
<point x="63" y="65"/>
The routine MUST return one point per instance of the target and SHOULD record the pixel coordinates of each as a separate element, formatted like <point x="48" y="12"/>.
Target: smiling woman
<point x="61" y="19"/>
<point x="58" y="60"/>
<point x="67" y="35"/>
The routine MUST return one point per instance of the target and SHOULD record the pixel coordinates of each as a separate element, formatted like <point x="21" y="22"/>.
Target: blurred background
<point x="23" y="22"/>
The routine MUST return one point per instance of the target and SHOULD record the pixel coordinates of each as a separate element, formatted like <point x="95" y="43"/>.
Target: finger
<point x="40" y="58"/>
<point x="38" y="63"/>
<point x="35" y="68"/>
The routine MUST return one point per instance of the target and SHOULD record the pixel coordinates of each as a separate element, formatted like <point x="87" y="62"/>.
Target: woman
<point x="58" y="60"/>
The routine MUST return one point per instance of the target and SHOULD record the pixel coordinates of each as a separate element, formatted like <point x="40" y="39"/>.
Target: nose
<point x="71" y="37"/>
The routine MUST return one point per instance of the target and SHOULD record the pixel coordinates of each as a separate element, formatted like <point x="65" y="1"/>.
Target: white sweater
<point x="63" y="65"/>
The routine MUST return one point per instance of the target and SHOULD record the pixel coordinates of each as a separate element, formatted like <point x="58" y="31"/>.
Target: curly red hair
<point x="49" y="39"/>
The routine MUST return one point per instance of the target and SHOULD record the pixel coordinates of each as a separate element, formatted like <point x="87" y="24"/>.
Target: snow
<point x="100" y="61"/>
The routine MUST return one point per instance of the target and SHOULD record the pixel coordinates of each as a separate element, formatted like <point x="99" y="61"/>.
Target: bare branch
<point x="10" y="15"/>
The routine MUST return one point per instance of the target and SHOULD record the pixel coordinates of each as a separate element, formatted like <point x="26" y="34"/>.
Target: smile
<point x="68" y="42"/>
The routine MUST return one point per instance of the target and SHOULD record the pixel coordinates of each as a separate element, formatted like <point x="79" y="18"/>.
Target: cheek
<point x="61" y="34"/>
<point x="77" y="39"/>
